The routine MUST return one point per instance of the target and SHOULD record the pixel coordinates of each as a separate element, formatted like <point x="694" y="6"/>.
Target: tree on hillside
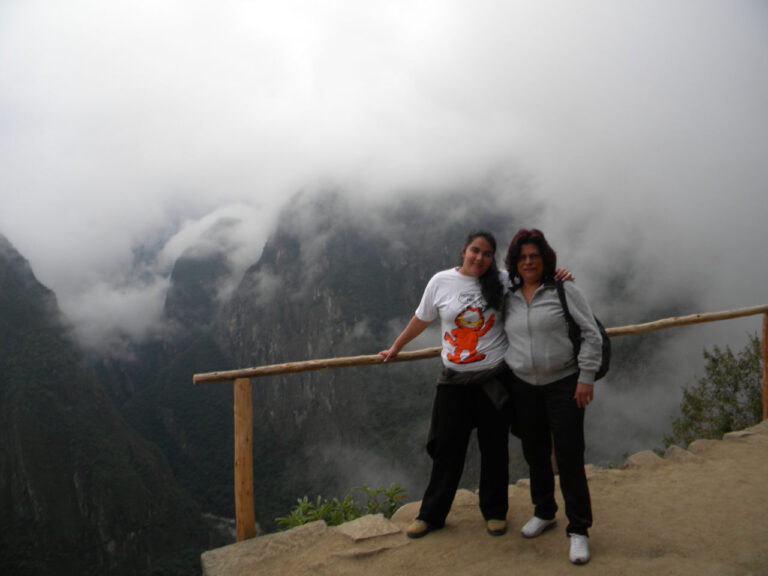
<point x="728" y="398"/>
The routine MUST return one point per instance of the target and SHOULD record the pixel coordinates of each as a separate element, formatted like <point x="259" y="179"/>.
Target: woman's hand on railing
<point x="390" y="353"/>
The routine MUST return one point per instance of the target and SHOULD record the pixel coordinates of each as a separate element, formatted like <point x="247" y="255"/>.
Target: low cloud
<point x="111" y="319"/>
<point x="130" y="136"/>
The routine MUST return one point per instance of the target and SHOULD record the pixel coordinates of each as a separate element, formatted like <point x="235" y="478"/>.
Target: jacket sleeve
<point x="590" y="352"/>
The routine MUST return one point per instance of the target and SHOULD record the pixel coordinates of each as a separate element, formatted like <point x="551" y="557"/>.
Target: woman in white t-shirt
<point x="471" y="390"/>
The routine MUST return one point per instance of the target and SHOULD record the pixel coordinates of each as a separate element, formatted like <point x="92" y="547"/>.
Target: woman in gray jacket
<point x="551" y="387"/>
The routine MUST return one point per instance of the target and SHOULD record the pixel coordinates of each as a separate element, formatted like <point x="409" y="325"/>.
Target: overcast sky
<point x="642" y="126"/>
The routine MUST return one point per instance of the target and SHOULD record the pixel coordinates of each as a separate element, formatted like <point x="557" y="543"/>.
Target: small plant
<point x="342" y="511"/>
<point x="391" y="503"/>
<point x="334" y="512"/>
<point x="299" y="515"/>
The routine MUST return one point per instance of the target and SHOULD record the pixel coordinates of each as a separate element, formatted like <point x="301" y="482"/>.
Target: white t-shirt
<point x="473" y="334"/>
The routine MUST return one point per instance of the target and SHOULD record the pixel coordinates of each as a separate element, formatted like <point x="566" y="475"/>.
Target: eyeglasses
<point x="531" y="257"/>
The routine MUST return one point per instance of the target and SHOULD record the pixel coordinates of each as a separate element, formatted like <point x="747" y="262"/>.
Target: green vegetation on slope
<point x="728" y="398"/>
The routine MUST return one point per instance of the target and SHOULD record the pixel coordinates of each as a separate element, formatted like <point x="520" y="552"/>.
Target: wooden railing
<point x="244" y="507"/>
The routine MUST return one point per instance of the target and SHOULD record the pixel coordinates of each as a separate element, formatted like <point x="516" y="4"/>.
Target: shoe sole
<point x="540" y="532"/>
<point x="499" y="532"/>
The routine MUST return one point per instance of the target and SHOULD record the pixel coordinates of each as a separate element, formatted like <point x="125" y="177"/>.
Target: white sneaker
<point x="579" y="549"/>
<point x="535" y="526"/>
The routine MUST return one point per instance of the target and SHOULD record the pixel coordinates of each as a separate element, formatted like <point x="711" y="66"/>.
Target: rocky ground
<point x="701" y="511"/>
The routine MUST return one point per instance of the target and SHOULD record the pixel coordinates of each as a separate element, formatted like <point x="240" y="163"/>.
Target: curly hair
<point x="490" y="285"/>
<point x="536" y="237"/>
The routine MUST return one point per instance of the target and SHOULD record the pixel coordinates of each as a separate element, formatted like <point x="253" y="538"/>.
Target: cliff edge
<point x="701" y="511"/>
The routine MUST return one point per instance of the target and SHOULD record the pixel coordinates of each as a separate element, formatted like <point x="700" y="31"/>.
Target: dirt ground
<point x="702" y="511"/>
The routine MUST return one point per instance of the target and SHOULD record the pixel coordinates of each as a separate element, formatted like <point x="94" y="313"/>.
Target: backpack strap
<point x="574" y="331"/>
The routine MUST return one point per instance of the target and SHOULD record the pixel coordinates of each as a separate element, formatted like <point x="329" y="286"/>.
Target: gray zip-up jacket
<point x="540" y="351"/>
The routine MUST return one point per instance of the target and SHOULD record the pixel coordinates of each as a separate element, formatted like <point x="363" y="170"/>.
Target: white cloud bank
<point x="641" y="125"/>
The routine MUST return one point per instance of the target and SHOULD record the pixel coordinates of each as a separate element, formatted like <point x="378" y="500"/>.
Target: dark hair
<point x="536" y="237"/>
<point x="490" y="285"/>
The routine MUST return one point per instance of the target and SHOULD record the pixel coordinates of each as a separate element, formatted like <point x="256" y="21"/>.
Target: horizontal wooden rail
<point x="244" y="513"/>
<point x="686" y="320"/>
<point x="309" y="365"/>
<point x="369" y="359"/>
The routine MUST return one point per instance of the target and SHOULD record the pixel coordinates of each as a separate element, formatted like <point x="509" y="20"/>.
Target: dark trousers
<point x="545" y="414"/>
<point x="457" y="410"/>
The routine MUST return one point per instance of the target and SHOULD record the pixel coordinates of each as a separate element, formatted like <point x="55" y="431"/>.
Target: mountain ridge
<point x="334" y="278"/>
<point x="81" y="491"/>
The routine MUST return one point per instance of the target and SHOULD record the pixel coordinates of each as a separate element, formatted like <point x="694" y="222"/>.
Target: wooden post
<point x="244" y="508"/>
<point x="765" y="366"/>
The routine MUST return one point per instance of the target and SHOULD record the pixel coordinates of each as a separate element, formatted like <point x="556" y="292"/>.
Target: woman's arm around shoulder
<point x="563" y="275"/>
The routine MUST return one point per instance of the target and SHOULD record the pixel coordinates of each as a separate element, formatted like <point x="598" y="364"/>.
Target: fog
<point x="130" y="129"/>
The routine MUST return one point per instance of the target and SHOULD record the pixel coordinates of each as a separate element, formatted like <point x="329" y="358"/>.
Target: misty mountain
<point x="334" y="279"/>
<point x="80" y="491"/>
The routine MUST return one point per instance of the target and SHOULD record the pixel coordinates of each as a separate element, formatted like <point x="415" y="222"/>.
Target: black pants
<point x="546" y="413"/>
<point x="457" y="410"/>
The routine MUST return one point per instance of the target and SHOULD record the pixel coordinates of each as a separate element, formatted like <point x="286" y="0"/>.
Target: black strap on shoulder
<point x="574" y="331"/>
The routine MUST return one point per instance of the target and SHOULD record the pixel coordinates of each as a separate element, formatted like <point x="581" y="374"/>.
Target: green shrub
<point x="392" y="497"/>
<point x="728" y="398"/>
<point x="334" y="512"/>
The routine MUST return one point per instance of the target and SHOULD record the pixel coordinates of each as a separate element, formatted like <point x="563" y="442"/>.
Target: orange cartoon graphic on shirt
<point x="470" y="327"/>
